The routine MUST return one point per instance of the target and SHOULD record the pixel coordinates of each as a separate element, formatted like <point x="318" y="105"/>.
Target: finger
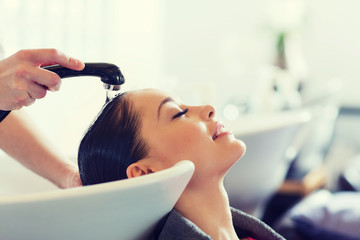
<point x="45" y="78"/>
<point x="48" y="64"/>
<point x="75" y="180"/>
<point x="36" y="91"/>
<point x="29" y="101"/>
<point x="23" y="100"/>
<point x="45" y="57"/>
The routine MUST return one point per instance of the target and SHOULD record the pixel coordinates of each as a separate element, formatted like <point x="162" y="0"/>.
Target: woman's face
<point x="174" y="131"/>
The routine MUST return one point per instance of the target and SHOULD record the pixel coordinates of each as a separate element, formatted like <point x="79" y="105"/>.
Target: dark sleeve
<point x="257" y="229"/>
<point x="3" y="114"/>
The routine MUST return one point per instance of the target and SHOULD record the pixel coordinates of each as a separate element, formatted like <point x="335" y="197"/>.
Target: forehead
<point x="146" y="101"/>
<point x="137" y="96"/>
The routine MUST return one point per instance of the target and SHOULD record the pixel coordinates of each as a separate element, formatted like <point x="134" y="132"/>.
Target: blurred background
<point x="250" y="59"/>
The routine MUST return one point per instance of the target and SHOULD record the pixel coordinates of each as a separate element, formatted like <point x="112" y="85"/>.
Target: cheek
<point x="185" y="142"/>
<point x="177" y="144"/>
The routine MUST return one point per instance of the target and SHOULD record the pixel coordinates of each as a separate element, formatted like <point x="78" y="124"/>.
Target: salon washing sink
<point x="270" y="140"/>
<point x="126" y="209"/>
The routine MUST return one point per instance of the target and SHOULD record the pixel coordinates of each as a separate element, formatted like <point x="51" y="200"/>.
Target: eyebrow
<point x="166" y="100"/>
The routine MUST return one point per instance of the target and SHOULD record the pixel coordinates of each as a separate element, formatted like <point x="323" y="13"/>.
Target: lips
<point x="220" y="130"/>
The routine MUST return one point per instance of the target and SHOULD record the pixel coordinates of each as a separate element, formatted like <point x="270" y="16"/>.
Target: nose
<point x="207" y="112"/>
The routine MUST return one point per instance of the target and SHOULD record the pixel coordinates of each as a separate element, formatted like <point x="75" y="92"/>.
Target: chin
<point x="237" y="150"/>
<point x="240" y="149"/>
<point x="243" y="148"/>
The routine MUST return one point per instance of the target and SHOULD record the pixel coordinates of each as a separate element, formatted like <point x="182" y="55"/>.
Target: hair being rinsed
<point x="112" y="143"/>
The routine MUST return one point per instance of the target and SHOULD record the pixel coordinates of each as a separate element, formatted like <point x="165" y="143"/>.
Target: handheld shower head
<point x="109" y="74"/>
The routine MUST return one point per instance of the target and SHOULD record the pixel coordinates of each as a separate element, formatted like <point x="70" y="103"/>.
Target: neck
<point x="207" y="206"/>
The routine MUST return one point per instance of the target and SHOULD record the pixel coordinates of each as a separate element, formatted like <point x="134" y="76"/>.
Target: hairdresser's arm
<point x="21" y="140"/>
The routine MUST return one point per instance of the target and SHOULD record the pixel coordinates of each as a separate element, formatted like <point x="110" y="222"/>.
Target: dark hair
<point x="112" y="143"/>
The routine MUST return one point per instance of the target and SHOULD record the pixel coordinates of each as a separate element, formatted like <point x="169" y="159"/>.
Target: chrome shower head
<point x="111" y="91"/>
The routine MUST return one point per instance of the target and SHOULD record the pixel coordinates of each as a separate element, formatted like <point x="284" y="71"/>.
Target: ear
<point x="139" y="168"/>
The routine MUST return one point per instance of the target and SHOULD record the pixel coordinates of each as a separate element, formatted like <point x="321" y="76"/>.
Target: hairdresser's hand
<point x="71" y="179"/>
<point x="22" y="80"/>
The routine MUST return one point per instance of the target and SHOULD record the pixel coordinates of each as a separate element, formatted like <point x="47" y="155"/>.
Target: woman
<point x="146" y="131"/>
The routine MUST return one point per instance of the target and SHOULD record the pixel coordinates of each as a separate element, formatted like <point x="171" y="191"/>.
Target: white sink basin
<point x="258" y="174"/>
<point x="126" y="209"/>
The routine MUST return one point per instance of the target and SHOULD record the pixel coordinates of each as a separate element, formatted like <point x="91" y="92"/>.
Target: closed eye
<point x="179" y="114"/>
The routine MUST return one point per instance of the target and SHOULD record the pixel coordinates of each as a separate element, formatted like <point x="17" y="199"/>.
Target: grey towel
<point x="177" y="227"/>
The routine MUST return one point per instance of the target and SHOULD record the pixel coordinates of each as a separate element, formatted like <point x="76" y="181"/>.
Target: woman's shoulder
<point x="246" y="224"/>
<point x="176" y="227"/>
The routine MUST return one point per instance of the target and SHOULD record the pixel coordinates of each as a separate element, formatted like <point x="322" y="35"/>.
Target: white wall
<point x="206" y="51"/>
<point x="332" y="45"/>
<point x="227" y="43"/>
<point x="121" y="32"/>
<point x="215" y="47"/>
